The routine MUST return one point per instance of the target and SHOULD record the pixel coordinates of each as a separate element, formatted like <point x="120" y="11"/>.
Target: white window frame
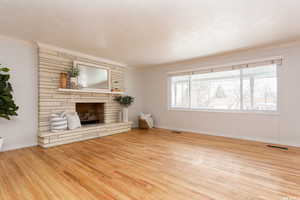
<point x="170" y="93"/>
<point x="268" y="112"/>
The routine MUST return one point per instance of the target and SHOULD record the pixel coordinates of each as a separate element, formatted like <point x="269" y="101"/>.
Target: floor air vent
<point x="277" y="147"/>
<point x="176" y="131"/>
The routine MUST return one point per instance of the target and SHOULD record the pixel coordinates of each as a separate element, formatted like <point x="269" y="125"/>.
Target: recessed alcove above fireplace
<point x="90" y="113"/>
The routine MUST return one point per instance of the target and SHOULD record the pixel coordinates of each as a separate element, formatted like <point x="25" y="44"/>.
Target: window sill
<point x="226" y="111"/>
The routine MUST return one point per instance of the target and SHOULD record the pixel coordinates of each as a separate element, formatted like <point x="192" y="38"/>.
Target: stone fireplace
<point x="93" y="107"/>
<point x="90" y="113"/>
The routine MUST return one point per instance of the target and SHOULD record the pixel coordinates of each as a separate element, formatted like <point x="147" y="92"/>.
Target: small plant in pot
<point x="73" y="73"/>
<point x="125" y="102"/>
<point x="8" y="108"/>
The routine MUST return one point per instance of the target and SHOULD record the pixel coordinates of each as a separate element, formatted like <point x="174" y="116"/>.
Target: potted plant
<point x="8" y="108"/>
<point x="125" y="102"/>
<point x="74" y="73"/>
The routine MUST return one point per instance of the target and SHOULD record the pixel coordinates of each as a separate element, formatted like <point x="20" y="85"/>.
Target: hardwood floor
<point x="155" y="164"/>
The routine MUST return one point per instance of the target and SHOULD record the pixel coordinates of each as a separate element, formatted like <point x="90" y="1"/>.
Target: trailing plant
<point x="74" y="72"/>
<point x="125" y="101"/>
<point x="8" y="107"/>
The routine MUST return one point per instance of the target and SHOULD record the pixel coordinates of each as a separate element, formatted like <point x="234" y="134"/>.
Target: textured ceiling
<point x="151" y="32"/>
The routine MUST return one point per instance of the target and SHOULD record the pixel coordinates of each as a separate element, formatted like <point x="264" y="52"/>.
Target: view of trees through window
<point x="241" y="89"/>
<point x="260" y="88"/>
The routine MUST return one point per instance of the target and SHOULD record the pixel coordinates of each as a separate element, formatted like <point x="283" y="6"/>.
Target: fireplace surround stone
<point x="52" y="62"/>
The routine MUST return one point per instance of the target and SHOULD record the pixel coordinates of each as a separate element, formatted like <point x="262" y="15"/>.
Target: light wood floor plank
<point x="152" y="165"/>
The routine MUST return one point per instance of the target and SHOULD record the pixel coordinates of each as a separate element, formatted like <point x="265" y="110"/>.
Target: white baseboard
<point x="226" y="135"/>
<point x="18" y="147"/>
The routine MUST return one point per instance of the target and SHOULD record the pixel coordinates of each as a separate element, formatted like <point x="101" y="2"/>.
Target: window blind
<point x="261" y="63"/>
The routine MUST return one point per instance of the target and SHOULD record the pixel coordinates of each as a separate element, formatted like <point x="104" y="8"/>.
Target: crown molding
<point x="79" y="54"/>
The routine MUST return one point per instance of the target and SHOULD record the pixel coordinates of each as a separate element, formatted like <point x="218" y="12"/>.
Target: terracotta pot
<point x="63" y="80"/>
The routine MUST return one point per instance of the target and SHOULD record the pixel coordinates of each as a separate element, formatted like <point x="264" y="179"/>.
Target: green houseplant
<point x="8" y="108"/>
<point x="73" y="73"/>
<point x="125" y="101"/>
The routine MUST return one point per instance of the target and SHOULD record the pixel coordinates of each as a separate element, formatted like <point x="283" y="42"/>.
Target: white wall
<point x="21" y="58"/>
<point x="149" y="86"/>
<point x="283" y="128"/>
<point x="133" y="87"/>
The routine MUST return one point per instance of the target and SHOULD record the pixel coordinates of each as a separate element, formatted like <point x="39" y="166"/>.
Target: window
<point x="260" y="88"/>
<point x="180" y="91"/>
<point x="219" y="90"/>
<point x="243" y="89"/>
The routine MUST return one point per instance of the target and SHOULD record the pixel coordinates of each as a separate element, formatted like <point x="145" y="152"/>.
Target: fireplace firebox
<point x="90" y="113"/>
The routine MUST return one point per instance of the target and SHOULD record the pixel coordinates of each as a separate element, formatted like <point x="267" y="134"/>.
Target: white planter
<point x="1" y="143"/>
<point x="125" y="114"/>
<point x="73" y="82"/>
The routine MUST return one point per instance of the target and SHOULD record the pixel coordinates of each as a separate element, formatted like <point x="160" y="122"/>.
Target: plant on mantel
<point x="8" y="108"/>
<point x="73" y="73"/>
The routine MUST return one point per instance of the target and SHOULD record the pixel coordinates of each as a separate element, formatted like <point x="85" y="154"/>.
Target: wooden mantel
<point x="88" y="91"/>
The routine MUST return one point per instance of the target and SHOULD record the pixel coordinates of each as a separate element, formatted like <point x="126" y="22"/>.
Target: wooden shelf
<point x="88" y="91"/>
